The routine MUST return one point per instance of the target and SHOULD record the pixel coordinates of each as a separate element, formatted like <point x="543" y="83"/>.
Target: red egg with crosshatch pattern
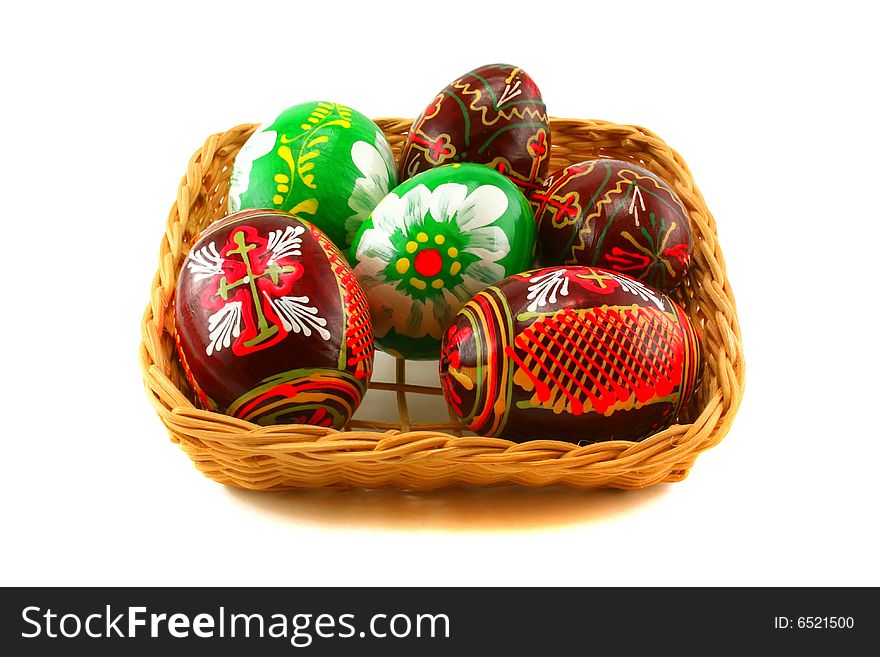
<point x="569" y="353"/>
<point x="271" y="325"/>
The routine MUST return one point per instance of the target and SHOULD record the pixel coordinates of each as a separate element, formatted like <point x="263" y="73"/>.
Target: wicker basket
<point x="416" y="455"/>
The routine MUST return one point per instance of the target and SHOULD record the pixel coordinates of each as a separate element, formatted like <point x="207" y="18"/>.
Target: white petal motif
<point x="547" y="287"/>
<point x="374" y="243"/>
<point x="298" y="317"/>
<point x="370" y="188"/>
<point x="488" y="243"/>
<point x="369" y="161"/>
<point x="446" y="201"/>
<point x="482" y="206"/>
<point x="223" y="326"/>
<point x="205" y="262"/>
<point x="638" y="289"/>
<point x="384" y="149"/>
<point x="258" y="144"/>
<point x="287" y="243"/>
<point x="417" y="203"/>
<point x="386" y="214"/>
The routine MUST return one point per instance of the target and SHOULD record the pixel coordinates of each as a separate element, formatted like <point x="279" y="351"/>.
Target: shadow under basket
<point x="416" y="455"/>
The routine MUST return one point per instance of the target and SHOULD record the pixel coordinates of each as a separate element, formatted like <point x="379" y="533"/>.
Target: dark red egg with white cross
<point x="578" y="354"/>
<point x="271" y="325"/>
<point x="615" y="215"/>
<point x="493" y="115"/>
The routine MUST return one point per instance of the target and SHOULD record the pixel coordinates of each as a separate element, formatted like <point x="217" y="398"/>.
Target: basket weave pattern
<point x="425" y="456"/>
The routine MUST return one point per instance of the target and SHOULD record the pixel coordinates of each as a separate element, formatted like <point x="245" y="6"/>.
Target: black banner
<point x="434" y="621"/>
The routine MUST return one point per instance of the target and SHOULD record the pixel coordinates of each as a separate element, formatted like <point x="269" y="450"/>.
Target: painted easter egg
<point x="322" y="161"/>
<point x="271" y="325"/>
<point x="432" y="243"/>
<point x="614" y="215"/>
<point x="492" y="115"/>
<point x="569" y="353"/>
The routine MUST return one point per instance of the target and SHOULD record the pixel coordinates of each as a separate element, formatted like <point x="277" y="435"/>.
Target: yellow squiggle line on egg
<point x="519" y="113"/>
<point x="606" y="199"/>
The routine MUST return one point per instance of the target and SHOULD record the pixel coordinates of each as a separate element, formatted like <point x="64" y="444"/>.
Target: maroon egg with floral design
<point x="615" y="215"/>
<point x="271" y="325"/>
<point x="578" y="354"/>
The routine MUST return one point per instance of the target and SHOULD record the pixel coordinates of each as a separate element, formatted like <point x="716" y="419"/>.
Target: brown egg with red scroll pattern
<point x="569" y="353"/>
<point x="493" y="115"/>
<point x="271" y="325"/>
<point x="615" y="215"/>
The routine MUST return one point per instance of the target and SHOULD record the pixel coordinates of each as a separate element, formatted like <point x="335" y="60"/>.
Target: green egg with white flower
<point x="321" y="161"/>
<point x="431" y="244"/>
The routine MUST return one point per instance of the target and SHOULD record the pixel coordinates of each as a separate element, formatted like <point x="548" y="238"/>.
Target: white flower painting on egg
<point x="376" y="163"/>
<point x="260" y="143"/>
<point x="450" y="250"/>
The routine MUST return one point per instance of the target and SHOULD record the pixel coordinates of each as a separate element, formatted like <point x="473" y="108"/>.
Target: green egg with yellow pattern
<point x="321" y="161"/>
<point x="431" y="244"/>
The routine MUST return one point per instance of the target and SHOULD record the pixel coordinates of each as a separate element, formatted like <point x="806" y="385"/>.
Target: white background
<point x="768" y="103"/>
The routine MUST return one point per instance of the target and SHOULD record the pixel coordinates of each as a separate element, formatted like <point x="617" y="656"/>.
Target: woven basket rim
<point x="242" y="454"/>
